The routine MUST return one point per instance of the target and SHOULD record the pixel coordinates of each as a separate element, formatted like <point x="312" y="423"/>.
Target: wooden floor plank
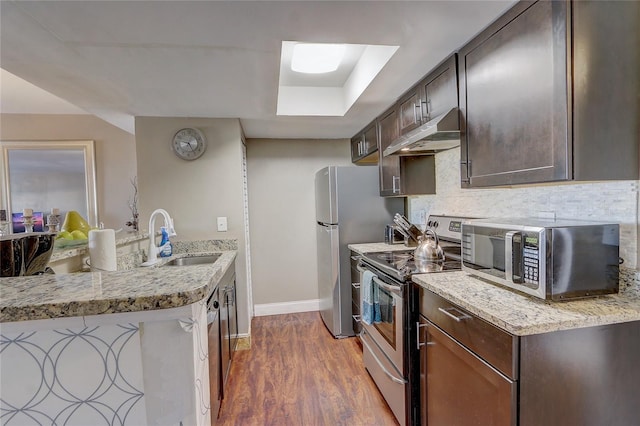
<point x="296" y="374"/>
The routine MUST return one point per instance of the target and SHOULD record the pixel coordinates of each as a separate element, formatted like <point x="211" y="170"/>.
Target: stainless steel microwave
<point x="553" y="260"/>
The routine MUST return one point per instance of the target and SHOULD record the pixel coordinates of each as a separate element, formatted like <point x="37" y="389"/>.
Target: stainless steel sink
<point x="194" y="260"/>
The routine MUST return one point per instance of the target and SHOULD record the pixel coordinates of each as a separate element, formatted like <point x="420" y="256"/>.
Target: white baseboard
<point x="286" y="307"/>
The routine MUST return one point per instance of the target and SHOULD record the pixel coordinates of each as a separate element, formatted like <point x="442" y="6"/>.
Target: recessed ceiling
<point x="332" y="93"/>
<point x="121" y="59"/>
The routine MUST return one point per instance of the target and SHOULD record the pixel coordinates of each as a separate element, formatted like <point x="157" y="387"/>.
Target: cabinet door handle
<point x="355" y="285"/>
<point x="227" y="293"/>
<point x="418" y="112"/>
<point x="425" y="104"/>
<point x="457" y="318"/>
<point x="418" y="342"/>
<point x="464" y="171"/>
<point x="395" y="188"/>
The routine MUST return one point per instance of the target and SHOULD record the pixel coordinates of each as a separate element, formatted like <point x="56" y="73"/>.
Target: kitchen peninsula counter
<point x="132" y="344"/>
<point x="96" y="293"/>
<point x="523" y="315"/>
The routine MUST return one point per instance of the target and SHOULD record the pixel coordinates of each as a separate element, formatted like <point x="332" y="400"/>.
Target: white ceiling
<point x="121" y="59"/>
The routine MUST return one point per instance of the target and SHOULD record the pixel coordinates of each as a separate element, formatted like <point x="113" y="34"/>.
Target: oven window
<point x="387" y="324"/>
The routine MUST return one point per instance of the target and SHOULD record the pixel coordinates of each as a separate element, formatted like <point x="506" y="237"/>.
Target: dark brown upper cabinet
<point x="550" y="92"/>
<point x="436" y="94"/>
<point x="440" y="90"/>
<point x="410" y="110"/>
<point x="388" y="131"/>
<point x="402" y="175"/>
<point x="428" y="114"/>
<point x="364" y="146"/>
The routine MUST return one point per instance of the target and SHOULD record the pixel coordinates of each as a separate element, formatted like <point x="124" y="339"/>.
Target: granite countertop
<point x="96" y="293"/>
<point x="523" y="315"/>
<point x="374" y="247"/>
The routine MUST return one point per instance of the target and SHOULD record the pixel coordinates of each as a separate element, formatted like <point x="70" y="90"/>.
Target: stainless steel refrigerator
<point x="349" y="210"/>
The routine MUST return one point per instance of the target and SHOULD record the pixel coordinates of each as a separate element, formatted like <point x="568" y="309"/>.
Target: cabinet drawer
<point x="355" y="308"/>
<point x="356" y="317"/>
<point x="355" y="293"/>
<point x="495" y="346"/>
<point x="355" y="274"/>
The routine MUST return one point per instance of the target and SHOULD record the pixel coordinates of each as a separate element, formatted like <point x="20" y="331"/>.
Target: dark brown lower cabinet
<point x="583" y="377"/>
<point x="356" y="315"/>
<point x="228" y="322"/>
<point x="474" y="373"/>
<point x="459" y="388"/>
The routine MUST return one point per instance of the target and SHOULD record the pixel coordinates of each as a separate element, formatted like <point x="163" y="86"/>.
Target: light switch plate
<point x="222" y="224"/>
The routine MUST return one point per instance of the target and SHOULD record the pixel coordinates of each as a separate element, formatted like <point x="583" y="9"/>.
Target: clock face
<point x="189" y="144"/>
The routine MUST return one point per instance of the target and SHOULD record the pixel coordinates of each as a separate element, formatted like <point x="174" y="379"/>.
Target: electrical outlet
<point x="549" y="215"/>
<point x="222" y="224"/>
<point x="422" y="217"/>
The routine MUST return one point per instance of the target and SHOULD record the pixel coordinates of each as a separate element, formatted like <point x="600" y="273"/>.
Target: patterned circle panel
<point x="88" y="376"/>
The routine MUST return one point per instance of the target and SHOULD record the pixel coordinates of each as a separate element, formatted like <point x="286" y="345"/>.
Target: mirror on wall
<point x="43" y="175"/>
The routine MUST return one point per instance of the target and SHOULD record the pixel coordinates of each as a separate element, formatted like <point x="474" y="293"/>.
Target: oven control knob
<point x="435" y="224"/>
<point x="429" y="224"/>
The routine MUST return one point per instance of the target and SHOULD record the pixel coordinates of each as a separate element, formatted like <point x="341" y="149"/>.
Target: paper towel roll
<point x="102" y="250"/>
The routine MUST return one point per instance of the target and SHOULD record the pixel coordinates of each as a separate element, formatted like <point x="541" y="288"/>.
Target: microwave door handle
<point x="513" y="257"/>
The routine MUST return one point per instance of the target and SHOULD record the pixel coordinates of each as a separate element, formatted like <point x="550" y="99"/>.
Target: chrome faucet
<point x="152" y="256"/>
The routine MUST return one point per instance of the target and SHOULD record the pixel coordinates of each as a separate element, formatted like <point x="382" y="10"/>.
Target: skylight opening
<point x="317" y="58"/>
<point x="331" y="78"/>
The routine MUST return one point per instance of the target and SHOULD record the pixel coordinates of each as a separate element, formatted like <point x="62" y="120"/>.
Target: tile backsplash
<point x="615" y="201"/>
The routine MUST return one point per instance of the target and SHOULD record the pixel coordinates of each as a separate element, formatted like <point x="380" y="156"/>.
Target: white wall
<point x="281" y="177"/>
<point x="114" y="150"/>
<point x="195" y="192"/>
<point x="615" y="201"/>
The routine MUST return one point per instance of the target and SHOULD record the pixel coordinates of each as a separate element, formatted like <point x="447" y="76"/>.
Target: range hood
<point x="439" y="134"/>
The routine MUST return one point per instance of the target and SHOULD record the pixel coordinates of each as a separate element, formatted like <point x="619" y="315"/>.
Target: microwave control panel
<point x="531" y="258"/>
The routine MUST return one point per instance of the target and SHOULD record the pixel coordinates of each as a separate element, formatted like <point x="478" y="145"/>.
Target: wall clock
<point x="189" y="143"/>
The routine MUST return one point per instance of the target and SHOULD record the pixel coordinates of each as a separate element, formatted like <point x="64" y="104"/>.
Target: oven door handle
<point x="386" y="371"/>
<point x="392" y="288"/>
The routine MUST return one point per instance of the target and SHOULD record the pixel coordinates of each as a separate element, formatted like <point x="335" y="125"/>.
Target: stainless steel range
<point x="386" y="276"/>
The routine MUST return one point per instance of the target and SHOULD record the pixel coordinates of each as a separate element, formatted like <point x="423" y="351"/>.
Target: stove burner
<point x="403" y="265"/>
<point x="390" y="256"/>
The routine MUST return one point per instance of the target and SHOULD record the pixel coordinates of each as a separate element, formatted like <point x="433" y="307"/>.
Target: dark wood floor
<point x="296" y="373"/>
